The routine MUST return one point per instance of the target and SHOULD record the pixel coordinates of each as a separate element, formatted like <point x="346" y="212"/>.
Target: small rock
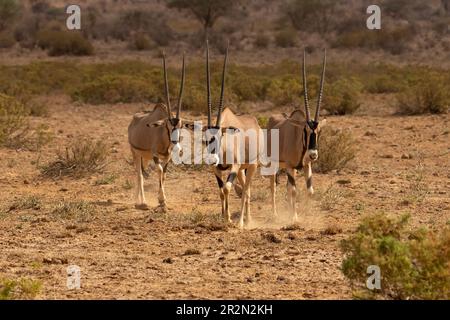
<point x="387" y="156"/>
<point x="168" y="260"/>
<point x="344" y="181"/>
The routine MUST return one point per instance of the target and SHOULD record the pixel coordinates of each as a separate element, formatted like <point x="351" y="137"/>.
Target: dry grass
<point x="83" y="158"/>
<point x="336" y="149"/>
<point x="20" y="289"/>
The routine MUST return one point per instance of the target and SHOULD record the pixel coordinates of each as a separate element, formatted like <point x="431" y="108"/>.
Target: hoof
<point x="295" y="218"/>
<point x="142" y="206"/>
<point x="162" y="208"/>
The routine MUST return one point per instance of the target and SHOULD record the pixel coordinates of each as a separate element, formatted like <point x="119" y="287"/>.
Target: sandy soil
<point x="125" y="253"/>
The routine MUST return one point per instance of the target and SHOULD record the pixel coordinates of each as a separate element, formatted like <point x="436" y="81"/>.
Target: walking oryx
<point x="298" y="140"/>
<point x="153" y="135"/>
<point x="240" y="156"/>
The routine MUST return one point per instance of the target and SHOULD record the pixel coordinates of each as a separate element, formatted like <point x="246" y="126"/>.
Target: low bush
<point x="286" y="38"/>
<point x="11" y="289"/>
<point x="140" y="42"/>
<point x="6" y="40"/>
<point x="414" y="263"/>
<point x="80" y="211"/>
<point x="82" y="158"/>
<point x="342" y="96"/>
<point x="12" y="118"/>
<point x="430" y="95"/>
<point x="114" y="89"/>
<point x="262" y="41"/>
<point x="336" y="149"/>
<point x="60" y="43"/>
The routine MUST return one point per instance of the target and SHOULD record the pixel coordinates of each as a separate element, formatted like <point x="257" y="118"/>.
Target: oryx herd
<point x="155" y="135"/>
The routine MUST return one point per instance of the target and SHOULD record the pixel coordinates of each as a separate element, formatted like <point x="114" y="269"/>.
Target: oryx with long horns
<point x="154" y="135"/>
<point x="233" y="144"/>
<point x="298" y="142"/>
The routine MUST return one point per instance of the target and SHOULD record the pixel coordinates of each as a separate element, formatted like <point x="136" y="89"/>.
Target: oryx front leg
<point x="308" y="178"/>
<point x="219" y="178"/>
<point x="246" y="195"/>
<point x="292" y="192"/>
<point x="227" y="190"/>
<point x="139" y="196"/>
<point x="161" y="168"/>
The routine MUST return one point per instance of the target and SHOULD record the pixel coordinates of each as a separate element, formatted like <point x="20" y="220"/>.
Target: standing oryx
<point x="153" y="135"/>
<point x="231" y="140"/>
<point x="298" y="140"/>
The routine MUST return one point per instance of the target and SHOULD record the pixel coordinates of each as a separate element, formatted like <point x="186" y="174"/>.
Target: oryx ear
<point x="322" y="123"/>
<point x="227" y="129"/>
<point x="158" y="123"/>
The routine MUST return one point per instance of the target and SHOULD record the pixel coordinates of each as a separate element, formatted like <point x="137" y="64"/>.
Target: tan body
<point x="149" y="142"/>
<point x="244" y="169"/>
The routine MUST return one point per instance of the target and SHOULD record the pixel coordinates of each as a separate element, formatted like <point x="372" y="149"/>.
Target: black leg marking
<point x="219" y="182"/>
<point x="156" y="160"/>
<point x="231" y="177"/>
<point x="165" y="167"/>
<point x="277" y="178"/>
<point x="291" y="180"/>
<point x="309" y="182"/>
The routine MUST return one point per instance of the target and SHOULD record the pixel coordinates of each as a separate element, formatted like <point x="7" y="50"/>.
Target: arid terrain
<point x="125" y="253"/>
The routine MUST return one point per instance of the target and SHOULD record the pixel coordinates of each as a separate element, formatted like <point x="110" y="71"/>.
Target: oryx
<point x="240" y="157"/>
<point x="153" y="136"/>
<point x="298" y="141"/>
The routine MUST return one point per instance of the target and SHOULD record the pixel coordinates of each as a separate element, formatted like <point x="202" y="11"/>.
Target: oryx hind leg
<point x="227" y="188"/>
<point x="273" y="189"/>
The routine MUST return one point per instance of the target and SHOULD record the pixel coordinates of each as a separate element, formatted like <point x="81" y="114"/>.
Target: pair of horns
<point x="208" y="86"/>
<point x="166" y="88"/>
<point x="305" y="87"/>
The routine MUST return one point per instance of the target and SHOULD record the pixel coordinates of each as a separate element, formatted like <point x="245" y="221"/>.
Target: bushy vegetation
<point x="80" y="159"/>
<point x="431" y="94"/>
<point x="80" y="211"/>
<point x="60" y="43"/>
<point x="336" y="149"/>
<point x="12" y="117"/>
<point x="414" y="263"/>
<point x="286" y="38"/>
<point x="24" y="288"/>
<point x="135" y="81"/>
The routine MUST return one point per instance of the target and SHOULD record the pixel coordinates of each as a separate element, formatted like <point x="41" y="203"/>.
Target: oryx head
<point x="312" y="127"/>
<point x="173" y="124"/>
<point x="212" y="134"/>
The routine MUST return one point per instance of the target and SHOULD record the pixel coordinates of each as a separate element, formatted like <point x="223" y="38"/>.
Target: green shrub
<point x="286" y="38"/>
<point x="114" y="89"/>
<point x="336" y="149"/>
<point x="342" y="96"/>
<point x="414" y="264"/>
<point x="19" y="289"/>
<point x="12" y="117"/>
<point x="283" y="91"/>
<point x="430" y="95"/>
<point x="60" y="43"/>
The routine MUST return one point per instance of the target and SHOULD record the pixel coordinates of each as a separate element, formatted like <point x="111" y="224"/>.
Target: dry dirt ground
<point x="124" y="253"/>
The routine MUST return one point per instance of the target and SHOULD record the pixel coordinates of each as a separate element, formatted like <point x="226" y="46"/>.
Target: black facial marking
<point x="174" y="121"/>
<point x="231" y="177"/>
<point x="309" y="182"/>
<point x="291" y="180"/>
<point x="312" y="141"/>
<point x="219" y="182"/>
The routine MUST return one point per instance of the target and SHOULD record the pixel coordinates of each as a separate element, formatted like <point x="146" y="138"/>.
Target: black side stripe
<point x="291" y="180"/>
<point x="309" y="182"/>
<point x="219" y="182"/>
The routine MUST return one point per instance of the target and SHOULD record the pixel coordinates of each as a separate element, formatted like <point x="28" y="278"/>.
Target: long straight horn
<point x="222" y="90"/>
<point x="208" y="83"/>
<point x="305" y="88"/>
<point x="322" y="81"/>
<point x="180" y="96"/>
<point x="166" y="87"/>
